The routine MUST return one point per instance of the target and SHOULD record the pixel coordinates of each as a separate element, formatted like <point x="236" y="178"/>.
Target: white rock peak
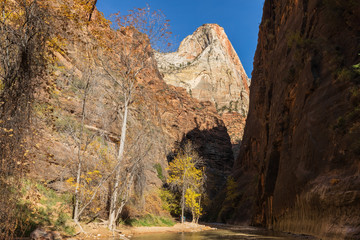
<point x="207" y="66"/>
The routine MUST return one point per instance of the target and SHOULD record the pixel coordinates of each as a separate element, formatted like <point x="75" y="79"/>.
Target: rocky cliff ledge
<point x="301" y="144"/>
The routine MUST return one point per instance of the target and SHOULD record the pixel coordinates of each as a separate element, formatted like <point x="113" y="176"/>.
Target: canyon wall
<point x="299" y="163"/>
<point x="161" y="116"/>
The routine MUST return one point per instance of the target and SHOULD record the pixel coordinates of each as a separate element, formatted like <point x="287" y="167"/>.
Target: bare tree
<point x="134" y="170"/>
<point x="153" y="23"/>
<point x="123" y="65"/>
<point x="83" y="135"/>
<point x="82" y="142"/>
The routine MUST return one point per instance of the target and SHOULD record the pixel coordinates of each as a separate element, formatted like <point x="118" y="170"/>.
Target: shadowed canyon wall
<point x="299" y="162"/>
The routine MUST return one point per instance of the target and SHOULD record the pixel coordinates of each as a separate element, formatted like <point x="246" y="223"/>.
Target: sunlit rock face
<point x="298" y="167"/>
<point x="207" y="66"/>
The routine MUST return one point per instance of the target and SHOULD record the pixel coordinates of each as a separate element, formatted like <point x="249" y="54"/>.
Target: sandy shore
<point x="101" y="232"/>
<point x="186" y="227"/>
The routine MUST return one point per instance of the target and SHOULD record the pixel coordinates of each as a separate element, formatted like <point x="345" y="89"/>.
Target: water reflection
<point x="230" y="233"/>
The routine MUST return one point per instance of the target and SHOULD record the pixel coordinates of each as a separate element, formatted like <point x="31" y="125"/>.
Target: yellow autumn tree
<point x="193" y="201"/>
<point x="187" y="176"/>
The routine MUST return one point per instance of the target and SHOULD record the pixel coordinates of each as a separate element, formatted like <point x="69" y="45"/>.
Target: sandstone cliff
<point x="165" y="115"/>
<point x="207" y="66"/>
<point x="301" y="142"/>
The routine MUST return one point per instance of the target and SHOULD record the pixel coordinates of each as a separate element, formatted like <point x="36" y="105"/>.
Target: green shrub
<point x="232" y="191"/>
<point x="355" y="96"/>
<point x="170" y="202"/>
<point x="1" y="86"/>
<point x="42" y="109"/>
<point x="65" y="124"/>
<point x="77" y="85"/>
<point x="296" y="40"/>
<point x="356" y="68"/>
<point x="61" y="220"/>
<point x="236" y="108"/>
<point x="159" y="171"/>
<point x="345" y="75"/>
<point x="50" y="211"/>
<point x="61" y="224"/>
<point x="151" y="220"/>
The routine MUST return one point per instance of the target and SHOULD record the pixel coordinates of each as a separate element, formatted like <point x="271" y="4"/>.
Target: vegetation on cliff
<point x="24" y="32"/>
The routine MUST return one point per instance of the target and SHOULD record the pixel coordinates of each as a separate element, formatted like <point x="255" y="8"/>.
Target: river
<point x="225" y="233"/>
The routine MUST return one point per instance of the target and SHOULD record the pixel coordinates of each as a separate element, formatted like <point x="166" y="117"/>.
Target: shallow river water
<point x="226" y="233"/>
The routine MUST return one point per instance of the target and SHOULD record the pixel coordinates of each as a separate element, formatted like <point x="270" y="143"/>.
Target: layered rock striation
<point x="207" y="66"/>
<point x="301" y="144"/>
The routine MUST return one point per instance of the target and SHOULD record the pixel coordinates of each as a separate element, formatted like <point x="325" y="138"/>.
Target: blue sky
<point x="239" y="18"/>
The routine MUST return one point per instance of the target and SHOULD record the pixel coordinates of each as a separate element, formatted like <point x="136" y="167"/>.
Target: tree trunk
<point x="113" y="200"/>
<point x="125" y="197"/>
<point x="182" y="204"/>
<point x="78" y="174"/>
<point x="198" y="215"/>
<point x="193" y="216"/>
<point x="114" y="197"/>
<point x="77" y="201"/>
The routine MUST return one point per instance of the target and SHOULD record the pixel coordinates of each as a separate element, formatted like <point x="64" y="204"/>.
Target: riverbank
<point x="179" y="227"/>
<point x="95" y="231"/>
